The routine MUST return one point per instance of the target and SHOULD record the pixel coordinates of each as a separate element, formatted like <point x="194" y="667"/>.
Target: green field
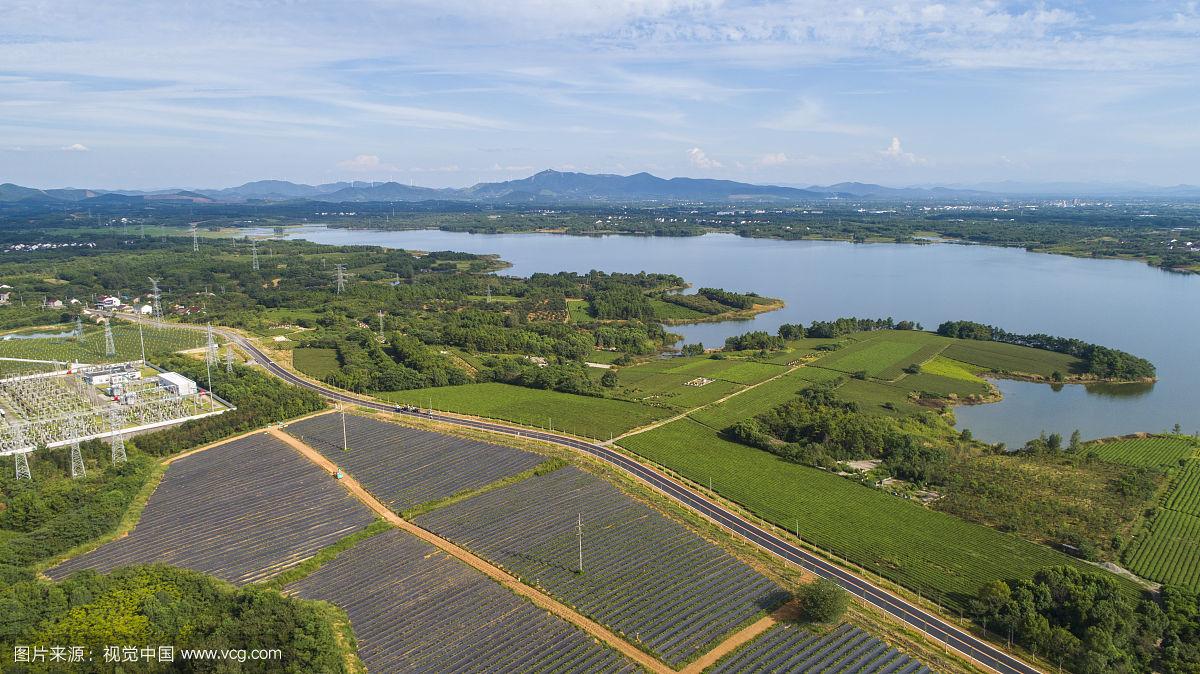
<point x="1168" y="549"/>
<point x="318" y="363"/>
<point x="580" y="415"/>
<point x="1184" y="494"/>
<point x="885" y="354"/>
<point x="953" y="369"/>
<point x="91" y="349"/>
<point x="942" y="556"/>
<point x="760" y="398"/>
<point x="999" y="357"/>
<point x="674" y="312"/>
<point x="1156" y="451"/>
<point x="578" y="311"/>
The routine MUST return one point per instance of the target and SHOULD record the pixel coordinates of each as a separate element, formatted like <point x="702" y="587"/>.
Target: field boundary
<point x="664" y="422"/>
<point x="541" y="600"/>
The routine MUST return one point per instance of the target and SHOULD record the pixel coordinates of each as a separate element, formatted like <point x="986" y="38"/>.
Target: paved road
<point x="936" y="628"/>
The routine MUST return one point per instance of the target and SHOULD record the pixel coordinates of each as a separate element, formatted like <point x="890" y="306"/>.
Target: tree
<point x="1076" y="441"/>
<point x="823" y="601"/>
<point x="609" y="378"/>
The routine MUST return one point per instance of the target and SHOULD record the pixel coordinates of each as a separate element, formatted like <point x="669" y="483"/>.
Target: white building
<point x="177" y="384"/>
<point x="112" y="375"/>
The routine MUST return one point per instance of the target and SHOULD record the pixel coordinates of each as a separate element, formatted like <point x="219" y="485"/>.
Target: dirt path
<point x="677" y="417"/>
<point x="543" y="601"/>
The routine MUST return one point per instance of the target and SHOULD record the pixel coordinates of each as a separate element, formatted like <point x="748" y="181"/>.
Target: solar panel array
<point x="416" y="609"/>
<point x="404" y="467"/>
<point x="243" y="511"/>
<point x="645" y="576"/>
<point x="844" y="650"/>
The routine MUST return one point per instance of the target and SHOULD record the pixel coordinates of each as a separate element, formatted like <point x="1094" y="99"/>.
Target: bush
<point x="823" y="601"/>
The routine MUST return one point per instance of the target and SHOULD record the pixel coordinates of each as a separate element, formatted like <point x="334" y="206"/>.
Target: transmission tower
<point x="229" y="358"/>
<point x="381" y="324"/>
<point x="195" y="240"/>
<point x="210" y="353"/>
<point x="77" y="469"/>
<point x="156" y="296"/>
<point x="110" y="347"/>
<point x="22" y="461"/>
<point x="254" y="254"/>
<point x="341" y="277"/>
<point x="79" y="328"/>
<point x="118" y="440"/>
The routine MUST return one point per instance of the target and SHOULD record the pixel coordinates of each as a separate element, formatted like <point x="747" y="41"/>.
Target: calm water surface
<point x="1126" y="305"/>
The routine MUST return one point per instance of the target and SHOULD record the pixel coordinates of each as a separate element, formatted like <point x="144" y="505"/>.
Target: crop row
<point x="416" y="609"/>
<point x="1184" y="495"/>
<point x="644" y="576"/>
<point x="404" y="467"/>
<point x="1157" y="451"/>
<point x="845" y="649"/>
<point x="1168" y="550"/>
<point x="944" y="557"/>
<point x="126" y="339"/>
<point x="242" y="511"/>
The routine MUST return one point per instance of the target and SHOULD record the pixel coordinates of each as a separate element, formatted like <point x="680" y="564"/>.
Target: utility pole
<point x="579" y="533"/>
<point x="77" y="469"/>
<point x="142" y="342"/>
<point x="210" y="351"/>
<point x="341" y="277"/>
<point x="345" y="440"/>
<point x="195" y="240"/>
<point x="79" y="329"/>
<point x="155" y="299"/>
<point x="118" y="441"/>
<point x="110" y="348"/>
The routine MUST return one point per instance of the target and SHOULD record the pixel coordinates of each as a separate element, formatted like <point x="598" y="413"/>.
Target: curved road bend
<point x="933" y="626"/>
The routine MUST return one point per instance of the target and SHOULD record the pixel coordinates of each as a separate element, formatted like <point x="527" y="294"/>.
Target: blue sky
<point x="449" y="92"/>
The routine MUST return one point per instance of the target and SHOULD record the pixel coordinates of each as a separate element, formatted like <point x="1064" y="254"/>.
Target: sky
<point x="122" y="94"/>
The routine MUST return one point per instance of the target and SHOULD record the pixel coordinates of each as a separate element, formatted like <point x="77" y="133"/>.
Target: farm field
<point x="416" y="608"/>
<point x="942" y="556"/>
<point x="1168" y="548"/>
<point x="790" y="648"/>
<point x="316" y="363"/>
<point x="645" y="576"/>
<point x="952" y="369"/>
<point x="1184" y="494"/>
<point x="405" y="467"/>
<point x="1160" y="451"/>
<point x="761" y="398"/>
<point x="159" y="341"/>
<point x="885" y="354"/>
<point x="243" y="512"/>
<point x="1000" y="357"/>
<point x="581" y="415"/>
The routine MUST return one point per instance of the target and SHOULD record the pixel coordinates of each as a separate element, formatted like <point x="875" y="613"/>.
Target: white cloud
<point x="773" y="159"/>
<point x="809" y="115"/>
<point x="895" y="152"/>
<point x="701" y="160"/>
<point x="365" y="163"/>
<point x="75" y="147"/>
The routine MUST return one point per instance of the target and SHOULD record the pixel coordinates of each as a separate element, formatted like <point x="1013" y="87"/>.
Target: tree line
<point x="1099" y="361"/>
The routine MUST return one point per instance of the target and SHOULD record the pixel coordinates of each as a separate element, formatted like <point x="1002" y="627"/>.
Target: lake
<point x="1126" y="305"/>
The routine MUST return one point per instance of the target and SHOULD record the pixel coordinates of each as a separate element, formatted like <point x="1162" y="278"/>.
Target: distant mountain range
<point x="556" y="187"/>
